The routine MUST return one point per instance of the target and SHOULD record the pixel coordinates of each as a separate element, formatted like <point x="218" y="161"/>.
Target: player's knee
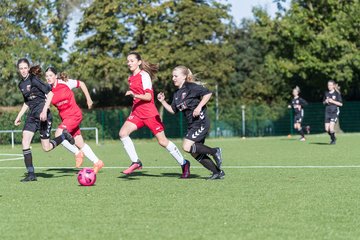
<point x="186" y="148"/>
<point x="163" y="142"/>
<point x="123" y="133"/>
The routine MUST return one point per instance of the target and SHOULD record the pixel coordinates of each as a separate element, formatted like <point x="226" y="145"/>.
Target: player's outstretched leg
<point x="204" y="160"/>
<point x="216" y="153"/>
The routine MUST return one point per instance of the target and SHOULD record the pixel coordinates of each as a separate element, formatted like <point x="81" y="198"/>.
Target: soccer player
<point x="34" y="92"/>
<point x="332" y="101"/>
<point x="298" y="104"/>
<point x="62" y="97"/>
<point x="144" y="113"/>
<point x="191" y="99"/>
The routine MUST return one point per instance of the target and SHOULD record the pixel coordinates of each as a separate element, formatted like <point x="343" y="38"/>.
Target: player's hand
<point x="17" y="121"/>
<point x="43" y="116"/>
<point x="330" y="100"/>
<point x="129" y="93"/>
<point x="89" y="103"/>
<point x="196" y="112"/>
<point x="161" y="97"/>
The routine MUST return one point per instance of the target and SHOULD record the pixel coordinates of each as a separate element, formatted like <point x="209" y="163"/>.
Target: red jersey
<point x="141" y="84"/>
<point x="64" y="99"/>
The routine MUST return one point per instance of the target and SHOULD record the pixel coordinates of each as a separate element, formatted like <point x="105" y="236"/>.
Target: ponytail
<point x="36" y="71"/>
<point x="150" y="68"/>
<point x="63" y="76"/>
<point x="336" y="86"/>
<point x="190" y="77"/>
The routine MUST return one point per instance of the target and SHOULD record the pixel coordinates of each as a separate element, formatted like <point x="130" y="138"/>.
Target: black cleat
<point x="29" y="178"/>
<point x="218" y="175"/>
<point x="185" y="170"/>
<point x="218" y="157"/>
<point x="333" y="142"/>
<point x="68" y="137"/>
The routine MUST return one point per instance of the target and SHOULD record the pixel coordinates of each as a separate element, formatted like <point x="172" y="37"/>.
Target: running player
<point x="298" y="104"/>
<point x="332" y="101"/>
<point x="34" y="92"/>
<point x="62" y="97"/>
<point x="191" y="99"/>
<point x="144" y="113"/>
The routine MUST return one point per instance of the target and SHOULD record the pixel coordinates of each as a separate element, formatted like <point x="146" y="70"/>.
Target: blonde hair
<point x="297" y="89"/>
<point x="190" y="77"/>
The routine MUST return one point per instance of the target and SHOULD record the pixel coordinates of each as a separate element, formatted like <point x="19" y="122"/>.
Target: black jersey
<point x="187" y="98"/>
<point x="330" y="107"/>
<point x="34" y="92"/>
<point x="295" y="102"/>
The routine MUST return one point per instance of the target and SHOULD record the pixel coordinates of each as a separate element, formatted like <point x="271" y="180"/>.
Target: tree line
<point x="256" y="62"/>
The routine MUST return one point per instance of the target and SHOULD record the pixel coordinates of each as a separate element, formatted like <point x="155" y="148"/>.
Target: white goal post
<point x="12" y="132"/>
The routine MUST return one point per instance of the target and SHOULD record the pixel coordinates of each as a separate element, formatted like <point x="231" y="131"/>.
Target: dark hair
<point x="150" y="68"/>
<point x="63" y="76"/>
<point x="36" y="70"/>
<point x="22" y="60"/>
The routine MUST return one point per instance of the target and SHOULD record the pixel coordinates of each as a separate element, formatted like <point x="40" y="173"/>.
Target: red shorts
<point x="72" y="125"/>
<point x="153" y="123"/>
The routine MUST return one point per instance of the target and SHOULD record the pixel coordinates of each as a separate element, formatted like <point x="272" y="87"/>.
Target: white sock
<point x="130" y="148"/>
<point x="70" y="147"/>
<point x="89" y="153"/>
<point x="174" y="151"/>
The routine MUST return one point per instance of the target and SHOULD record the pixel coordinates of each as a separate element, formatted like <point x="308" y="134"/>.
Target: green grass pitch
<point x="262" y="196"/>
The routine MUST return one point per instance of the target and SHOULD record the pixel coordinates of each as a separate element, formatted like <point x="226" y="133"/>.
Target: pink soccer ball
<point x="86" y="177"/>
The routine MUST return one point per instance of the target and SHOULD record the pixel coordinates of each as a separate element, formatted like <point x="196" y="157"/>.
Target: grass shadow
<point x="44" y="175"/>
<point x="136" y="175"/>
<point x="178" y="175"/>
<point x="66" y="172"/>
<point x="320" y="143"/>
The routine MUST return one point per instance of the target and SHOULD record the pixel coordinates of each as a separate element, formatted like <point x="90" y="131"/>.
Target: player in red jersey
<point x="62" y="97"/>
<point x="144" y="113"/>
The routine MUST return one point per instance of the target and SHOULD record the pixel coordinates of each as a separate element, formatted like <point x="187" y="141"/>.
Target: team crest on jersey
<point x="183" y="95"/>
<point x="28" y="88"/>
<point x="297" y="101"/>
<point x="334" y="97"/>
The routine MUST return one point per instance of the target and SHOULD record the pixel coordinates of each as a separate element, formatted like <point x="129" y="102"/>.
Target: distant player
<point x="298" y="104"/>
<point x="191" y="99"/>
<point x="62" y="97"/>
<point x="144" y="113"/>
<point x="332" y="101"/>
<point x="34" y="92"/>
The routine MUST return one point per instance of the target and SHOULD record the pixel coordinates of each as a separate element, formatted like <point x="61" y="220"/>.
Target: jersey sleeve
<point x="199" y="90"/>
<point x="45" y="88"/>
<point x="146" y="82"/>
<point x="303" y="102"/>
<point x="71" y="83"/>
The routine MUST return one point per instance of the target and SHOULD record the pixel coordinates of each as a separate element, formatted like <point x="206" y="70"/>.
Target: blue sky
<point x="240" y="9"/>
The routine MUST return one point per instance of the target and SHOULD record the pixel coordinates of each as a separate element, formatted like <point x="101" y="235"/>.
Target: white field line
<point x="225" y="167"/>
<point x="14" y="156"/>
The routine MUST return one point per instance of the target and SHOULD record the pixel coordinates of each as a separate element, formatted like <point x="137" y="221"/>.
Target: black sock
<point x="57" y="141"/>
<point x="301" y="132"/>
<point x="207" y="163"/>
<point x="329" y="133"/>
<point x="28" y="160"/>
<point x="332" y="136"/>
<point x="202" y="149"/>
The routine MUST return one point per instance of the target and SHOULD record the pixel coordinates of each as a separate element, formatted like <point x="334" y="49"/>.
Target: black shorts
<point x="198" y="131"/>
<point x="298" y="118"/>
<point x="331" y="117"/>
<point x="33" y="124"/>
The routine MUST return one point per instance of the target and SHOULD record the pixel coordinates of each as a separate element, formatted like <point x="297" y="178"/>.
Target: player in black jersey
<point x="191" y="99"/>
<point x="332" y="101"/>
<point x="34" y="92"/>
<point x="298" y="104"/>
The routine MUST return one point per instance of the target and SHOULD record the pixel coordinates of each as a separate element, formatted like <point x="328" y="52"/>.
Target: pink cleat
<point x="134" y="166"/>
<point x="97" y="166"/>
<point x="79" y="159"/>
<point x="185" y="170"/>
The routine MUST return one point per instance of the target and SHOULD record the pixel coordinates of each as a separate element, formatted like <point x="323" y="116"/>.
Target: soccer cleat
<point x="185" y="170"/>
<point x="333" y="142"/>
<point x="68" y="137"/>
<point x="302" y="139"/>
<point x="218" y="157"/>
<point x="30" y="177"/>
<point x="218" y="175"/>
<point x="134" y="166"/>
<point x="79" y="159"/>
<point x="97" y="166"/>
<point x="307" y="128"/>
